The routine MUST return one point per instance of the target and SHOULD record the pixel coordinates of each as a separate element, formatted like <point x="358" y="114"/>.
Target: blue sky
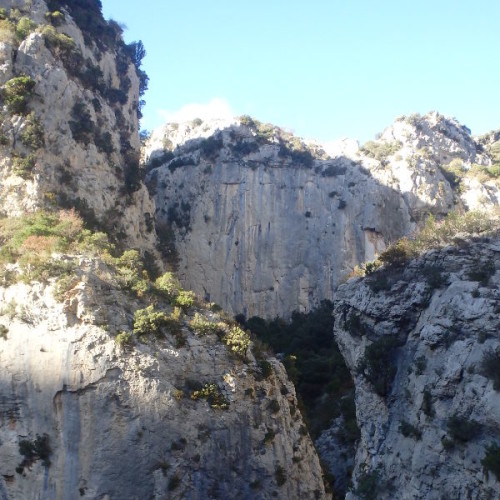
<point x="325" y="69"/>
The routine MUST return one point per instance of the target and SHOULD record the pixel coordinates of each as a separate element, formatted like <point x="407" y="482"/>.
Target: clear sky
<point x="325" y="69"/>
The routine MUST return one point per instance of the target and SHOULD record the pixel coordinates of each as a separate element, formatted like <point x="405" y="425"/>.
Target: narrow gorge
<point x="223" y="309"/>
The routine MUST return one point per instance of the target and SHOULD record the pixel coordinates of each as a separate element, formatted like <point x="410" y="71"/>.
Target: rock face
<point x="121" y="423"/>
<point x="78" y="126"/>
<point x="80" y="416"/>
<point x="265" y="224"/>
<point x="417" y="341"/>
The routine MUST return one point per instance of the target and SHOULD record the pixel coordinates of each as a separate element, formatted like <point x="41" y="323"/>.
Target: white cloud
<point x="216" y="108"/>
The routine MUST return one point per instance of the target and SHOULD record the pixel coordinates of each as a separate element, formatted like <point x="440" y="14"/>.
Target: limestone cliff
<point x="126" y="422"/>
<point x="265" y="223"/>
<point x="422" y="343"/>
<point x="70" y="95"/>
<point x="107" y="388"/>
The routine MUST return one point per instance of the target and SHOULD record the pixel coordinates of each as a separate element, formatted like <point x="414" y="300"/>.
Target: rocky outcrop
<point x="71" y="137"/>
<point x="265" y="223"/>
<point x="417" y="341"/>
<point x="122" y="422"/>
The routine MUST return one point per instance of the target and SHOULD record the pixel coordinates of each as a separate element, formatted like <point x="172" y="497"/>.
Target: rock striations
<point x="265" y="223"/>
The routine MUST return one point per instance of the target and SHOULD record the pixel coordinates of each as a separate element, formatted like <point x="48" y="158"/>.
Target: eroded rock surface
<point x="426" y="406"/>
<point x="265" y="224"/>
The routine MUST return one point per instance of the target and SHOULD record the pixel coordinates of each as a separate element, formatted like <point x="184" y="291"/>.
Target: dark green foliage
<point x="333" y="171"/>
<point x="303" y="155"/>
<point x="409" y="430"/>
<point x="103" y="141"/>
<point x="434" y="277"/>
<point x="420" y="365"/>
<point x="491" y="461"/>
<point x="116" y="96"/>
<point x="17" y="92"/>
<point x="483" y="272"/>
<point x="81" y="125"/>
<point x="378" y="282"/>
<point x="462" y="429"/>
<point x="181" y="161"/>
<point x="269" y="436"/>
<point x="368" y="485"/>
<point x="180" y="216"/>
<point x="378" y="364"/>
<point x="354" y="325"/>
<point x="427" y="403"/>
<point x="314" y="363"/>
<point x="173" y="483"/>
<point x="3" y="332"/>
<point x="211" y="146"/>
<point x="280" y="475"/>
<point x="32" y="135"/>
<point x="39" y="449"/>
<point x="453" y="179"/>
<point x="244" y="147"/>
<point x="490" y="367"/>
<point x="274" y="406"/>
<point x="266" y="368"/>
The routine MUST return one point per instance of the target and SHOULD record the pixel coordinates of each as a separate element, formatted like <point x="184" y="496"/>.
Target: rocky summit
<point x="225" y="310"/>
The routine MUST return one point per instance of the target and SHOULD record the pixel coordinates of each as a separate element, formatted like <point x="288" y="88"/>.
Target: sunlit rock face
<point x="84" y="98"/>
<point x="416" y="340"/>
<point x="265" y="224"/>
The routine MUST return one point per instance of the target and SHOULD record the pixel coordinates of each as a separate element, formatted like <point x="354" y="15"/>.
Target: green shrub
<point x="368" y="485"/>
<point x="148" y="321"/>
<point x="131" y="273"/>
<point x="203" y="326"/>
<point x="409" y="430"/>
<point x="269" y="436"/>
<point x="380" y="150"/>
<point x="16" y="93"/>
<point x="378" y="365"/>
<point x="427" y="403"/>
<point x="3" y="332"/>
<point x="39" y="449"/>
<point x="274" y="406"/>
<point x="420" y="365"/>
<point x="490" y="367"/>
<point x="266" y="368"/>
<point x="371" y="267"/>
<point x="32" y="135"/>
<point x="399" y="253"/>
<point x="237" y="340"/>
<point x="24" y="166"/>
<point x="435" y="234"/>
<point x="185" y="299"/>
<point x="280" y="475"/>
<point x="491" y="461"/>
<point x="81" y="125"/>
<point x="168" y="286"/>
<point x="483" y="272"/>
<point x="56" y="18"/>
<point x="462" y="429"/>
<point x="24" y="27"/>
<point x="59" y="43"/>
<point x="174" y="482"/>
<point x="124" y="339"/>
<point x="213" y="395"/>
